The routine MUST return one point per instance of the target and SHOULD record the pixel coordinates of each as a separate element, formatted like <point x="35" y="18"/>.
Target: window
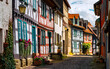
<point x="26" y="1"/>
<point x="86" y="36"/>
<point x="43" y="41"/>
<point x="75" y="33"/>
<point x="43" y="9"/>
<point x="80" y="33"/>
<point x="56" y="18"/>
<point x="75" y="21"/>
<point x="60" y="21"/>
<point x="22" y="29"/>
<point x="34" y="5"/>
<point x="57" y="38"/>
<point x="75" y="45"/>
<point x="78" y="21"/>
<point x="89" y="37"/>
<point x="6" y="1"/>
<point x="50" y="13"/>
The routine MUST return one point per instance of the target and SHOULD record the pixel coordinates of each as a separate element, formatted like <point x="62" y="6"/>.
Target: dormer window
<point x="75" y="21"/>
<point x="80" y="23"/>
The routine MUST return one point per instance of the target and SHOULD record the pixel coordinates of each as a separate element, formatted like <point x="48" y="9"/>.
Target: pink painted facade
<point x="87" y="40"/>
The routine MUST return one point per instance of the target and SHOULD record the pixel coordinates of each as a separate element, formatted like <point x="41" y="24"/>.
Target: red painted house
<point x="45" y="26"/>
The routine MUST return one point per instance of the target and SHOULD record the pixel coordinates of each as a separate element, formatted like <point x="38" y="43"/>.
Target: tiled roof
<point x="71" y="16"/>
<point x="87" y="31"/>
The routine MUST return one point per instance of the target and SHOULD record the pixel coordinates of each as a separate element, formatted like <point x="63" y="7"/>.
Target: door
<point x="33" y="39"/>
<point x="49" y="35"/>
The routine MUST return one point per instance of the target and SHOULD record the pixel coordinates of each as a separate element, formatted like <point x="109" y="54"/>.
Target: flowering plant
<point x="38" y="58"/>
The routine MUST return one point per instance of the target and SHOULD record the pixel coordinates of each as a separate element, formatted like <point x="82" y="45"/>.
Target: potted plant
<point x="38" y="60"/>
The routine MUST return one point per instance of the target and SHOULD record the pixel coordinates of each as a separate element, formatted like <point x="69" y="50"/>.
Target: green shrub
<point x="86" y="47"/>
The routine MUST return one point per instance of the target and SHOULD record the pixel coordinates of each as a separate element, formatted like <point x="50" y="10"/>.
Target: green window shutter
<point x="75" y="33"/>
<point x="45" y="11"/>
<point x="75" y="45"/>
<point x="26" y="1"/>
<point x="24" y="30"/>
<point x="41" y="37"/>
<point x="50" y="14"/>
<point x="80" y="33"/>
<point x="19" y="29"/>
<point x="44" y="38"/>
<point x="41" y="8"/>
<point x="78" y="21"/>
<point x="73" y="20"/>
<point x="34" y="4"/>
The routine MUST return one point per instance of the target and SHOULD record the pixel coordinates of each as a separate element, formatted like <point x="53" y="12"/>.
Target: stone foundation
<point x="18" y="63"/>
<point x="29" y="61"/>
<point x="23" y="61"/>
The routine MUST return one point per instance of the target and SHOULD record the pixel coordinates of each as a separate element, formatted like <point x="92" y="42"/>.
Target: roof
<point x="92" y="31"/>
<point x="90" y="25"/>
<point x="75" y="25"/>
<point x="66" y="2"/>
<point x="71" y="16"/>
<point x="87" y="31"/>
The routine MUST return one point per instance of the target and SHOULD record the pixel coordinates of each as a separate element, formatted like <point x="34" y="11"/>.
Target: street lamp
<point x="22" y="8"/>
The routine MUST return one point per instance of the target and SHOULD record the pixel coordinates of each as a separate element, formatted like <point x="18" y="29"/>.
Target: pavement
<point x="73" y="62"/>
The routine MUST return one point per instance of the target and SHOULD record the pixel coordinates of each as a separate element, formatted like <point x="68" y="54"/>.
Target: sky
<point x="85" y="8"/>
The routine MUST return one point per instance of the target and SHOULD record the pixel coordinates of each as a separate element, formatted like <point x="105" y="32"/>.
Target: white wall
<point x="58" y="30"/>
<point x="5" y="16"/>
<point x="78" y="35"/>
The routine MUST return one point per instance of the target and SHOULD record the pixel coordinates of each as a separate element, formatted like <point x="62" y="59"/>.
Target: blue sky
<point x="85" y="8"/>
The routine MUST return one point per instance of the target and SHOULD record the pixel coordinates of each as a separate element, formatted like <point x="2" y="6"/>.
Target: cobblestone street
<point x="75" y="62"/>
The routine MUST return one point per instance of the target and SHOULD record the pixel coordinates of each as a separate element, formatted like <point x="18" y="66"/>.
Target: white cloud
<point x="85" y="8"/>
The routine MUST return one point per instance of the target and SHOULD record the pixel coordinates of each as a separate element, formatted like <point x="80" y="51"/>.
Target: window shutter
<point x="78" y="21"/>
<point x="80" y="33"/>
<point x="73" y="20"/>
<point x="24" y="30"/>
<point x="26" y="1"/>
<point x="44" y="38"/>
<point x="19" y="29"/>
<point x="45" y="11"/>
<point x="75" y="45"/>
<point x="50" y="14"/>
<point x="42" y="8"/>
<point x="34" y="4"/>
